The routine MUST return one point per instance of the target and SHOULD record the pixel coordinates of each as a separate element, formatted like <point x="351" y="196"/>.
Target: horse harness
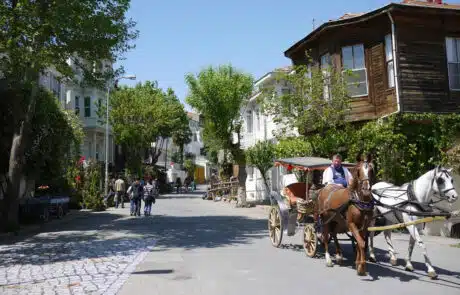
<point x="424" y="209"/>
<point x="353" y="201"/>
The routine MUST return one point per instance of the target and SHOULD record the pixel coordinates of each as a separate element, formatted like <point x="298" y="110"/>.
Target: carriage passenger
<point x="336" y="173"/>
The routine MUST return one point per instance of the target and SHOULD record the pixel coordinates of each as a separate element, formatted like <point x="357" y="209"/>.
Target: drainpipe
<point x="395" y="65"/>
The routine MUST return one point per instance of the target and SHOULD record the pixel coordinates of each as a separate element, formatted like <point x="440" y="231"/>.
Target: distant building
<point x="84" y="102"/>
<point x="259" y="127"/>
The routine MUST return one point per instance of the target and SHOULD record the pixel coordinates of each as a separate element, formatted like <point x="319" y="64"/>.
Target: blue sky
<point x="178" y="37"/>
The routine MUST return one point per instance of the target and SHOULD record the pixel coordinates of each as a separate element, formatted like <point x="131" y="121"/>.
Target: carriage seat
<point x="294" y="191"/>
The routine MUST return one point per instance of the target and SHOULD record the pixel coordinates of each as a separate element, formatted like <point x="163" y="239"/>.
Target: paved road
<point x="190" y="246"/>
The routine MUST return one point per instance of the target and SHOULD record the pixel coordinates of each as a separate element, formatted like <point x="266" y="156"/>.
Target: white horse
<point x="435" y="185"/>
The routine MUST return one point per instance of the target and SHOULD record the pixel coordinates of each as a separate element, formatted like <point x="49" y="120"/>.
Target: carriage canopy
<point x="308" y="163"/>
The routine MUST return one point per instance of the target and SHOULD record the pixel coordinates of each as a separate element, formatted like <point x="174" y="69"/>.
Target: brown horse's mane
<point x="354" y="186"/>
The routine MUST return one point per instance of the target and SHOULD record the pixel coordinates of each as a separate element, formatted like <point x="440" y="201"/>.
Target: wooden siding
<point x="424" y="84"/>
<point x="380" y="100"/>
<point x="421" y="59"/>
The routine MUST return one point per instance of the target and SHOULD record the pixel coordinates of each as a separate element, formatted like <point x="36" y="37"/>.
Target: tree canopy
<point x="261" y="156"/>
<point x="316" y="101"/>
<point x="39" y="35"/>
<point x="218" y="93"/>
<point x="145" y="114"/>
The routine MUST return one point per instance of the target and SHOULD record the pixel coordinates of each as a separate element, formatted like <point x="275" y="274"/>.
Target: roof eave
<point x="288" y="53"/>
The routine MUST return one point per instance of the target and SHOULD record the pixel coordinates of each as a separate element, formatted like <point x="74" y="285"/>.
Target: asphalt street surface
<point x="191" y="246"/>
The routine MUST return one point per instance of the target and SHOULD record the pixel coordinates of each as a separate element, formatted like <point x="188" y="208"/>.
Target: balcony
<point x="93" y="122"/>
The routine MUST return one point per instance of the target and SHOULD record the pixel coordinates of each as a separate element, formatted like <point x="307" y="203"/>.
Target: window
<point x="77" y="105"/>
<point x="326" y="64"/>
<point x="55" y="86"/>
<point x="389" y="61"/>
<point x="195" y="138"/>
<point x="97" y="152"/>
<point x="87" y="106"/>
<point x="258" y="120"/>
<point x="353" y="59"/>
<point x="453" y="62"/>
<point x="249" y="122"/>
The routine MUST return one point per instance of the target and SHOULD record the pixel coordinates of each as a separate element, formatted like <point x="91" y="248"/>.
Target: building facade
<point x="84" y="101"/>
<point x="406" y="57"/>
<point x="259" y="127"/>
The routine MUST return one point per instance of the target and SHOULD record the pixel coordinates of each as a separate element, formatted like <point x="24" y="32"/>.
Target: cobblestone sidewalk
<point x="93" y="259"/>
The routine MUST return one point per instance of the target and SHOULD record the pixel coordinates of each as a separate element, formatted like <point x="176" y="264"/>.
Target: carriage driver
<point x="336" y="173"/>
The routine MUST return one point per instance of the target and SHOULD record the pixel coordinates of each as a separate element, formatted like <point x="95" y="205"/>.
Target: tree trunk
<point x="267" y="187"/>
<point x="242" y="203"/>
<point x="16" y="165"/>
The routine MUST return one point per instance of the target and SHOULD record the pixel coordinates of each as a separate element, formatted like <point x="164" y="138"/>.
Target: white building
<point x="195" y="148"/>
<point x="259" y="127"/>
<point x="84" y="102"/>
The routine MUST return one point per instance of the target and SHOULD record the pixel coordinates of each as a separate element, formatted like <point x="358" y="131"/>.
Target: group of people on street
<point x="137" y="191"/>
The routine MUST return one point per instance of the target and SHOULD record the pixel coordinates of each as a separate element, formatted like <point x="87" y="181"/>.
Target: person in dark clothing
<point x="149" y="197"/>
<point x="135" y="192"/>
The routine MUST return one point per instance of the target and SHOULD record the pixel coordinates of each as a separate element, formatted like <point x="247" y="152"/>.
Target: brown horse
<point x="348" y="209"/>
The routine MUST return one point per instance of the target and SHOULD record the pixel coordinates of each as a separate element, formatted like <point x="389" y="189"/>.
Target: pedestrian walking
<point x="149" y="197"/>
<point x="119" y="192"/>
<point x="135" y="195"/>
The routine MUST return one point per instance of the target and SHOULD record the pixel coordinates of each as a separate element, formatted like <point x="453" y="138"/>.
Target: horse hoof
<point x="372" y="259"/>
<point x="362" y="273"/>
<point x="329" y="264"/>
<point x="393" y="261"/>
<point x="433" y="275"/>
<point x="339" y="261"/>
<point x="409" y="268"/>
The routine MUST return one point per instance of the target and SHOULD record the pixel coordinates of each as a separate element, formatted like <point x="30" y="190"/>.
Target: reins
<point x="426" y="210"/>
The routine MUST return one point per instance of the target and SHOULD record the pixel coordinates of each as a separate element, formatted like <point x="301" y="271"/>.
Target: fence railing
<point x="227" y="189"/>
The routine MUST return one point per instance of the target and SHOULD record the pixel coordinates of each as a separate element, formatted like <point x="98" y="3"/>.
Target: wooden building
<point x="406" y="57"/>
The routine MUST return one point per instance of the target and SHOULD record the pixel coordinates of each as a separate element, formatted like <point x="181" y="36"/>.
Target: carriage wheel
<point x="46" y="214"/>
<point x="60" y="212"/>
<point x="310" y="240"/>
<point x="275" y="226"/>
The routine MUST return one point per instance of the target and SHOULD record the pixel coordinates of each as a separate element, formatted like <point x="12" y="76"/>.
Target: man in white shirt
<point x="337" y="174"/>
<point x="119" y="192"/>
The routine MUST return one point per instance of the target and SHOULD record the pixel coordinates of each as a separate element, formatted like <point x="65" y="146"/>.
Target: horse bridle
<point x="361" y="181"/>
<point x="440" y="181"/>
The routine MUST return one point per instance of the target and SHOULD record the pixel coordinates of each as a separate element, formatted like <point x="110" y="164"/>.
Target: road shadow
<point x="154" y="272"/>
<point x="95" y="236"/>
<point x="383" y="268"/>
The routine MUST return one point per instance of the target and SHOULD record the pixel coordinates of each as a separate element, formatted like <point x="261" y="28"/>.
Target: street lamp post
<point x="128" y="77"/>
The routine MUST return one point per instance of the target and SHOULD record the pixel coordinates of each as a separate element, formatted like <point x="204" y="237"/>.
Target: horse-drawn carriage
<point x="321" y="212"/>
<point x="295" y="207"/>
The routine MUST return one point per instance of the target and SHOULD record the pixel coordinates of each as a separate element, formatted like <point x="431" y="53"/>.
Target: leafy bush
<point x="92" y="192"/>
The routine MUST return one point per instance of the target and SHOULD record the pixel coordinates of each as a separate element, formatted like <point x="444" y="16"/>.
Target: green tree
<point x="182" y="137"/>
<point x="190" y="167"/>
<point x="92" y="192"/>
<point x="37" y="35"/>
<point x="142" y="115"/>
<point x="54" y="142"/>
<point x="261" y="156"/>
<point x="317" y="100"/>
<point x="292" y="147"/>
<point x="218" y="94"/>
